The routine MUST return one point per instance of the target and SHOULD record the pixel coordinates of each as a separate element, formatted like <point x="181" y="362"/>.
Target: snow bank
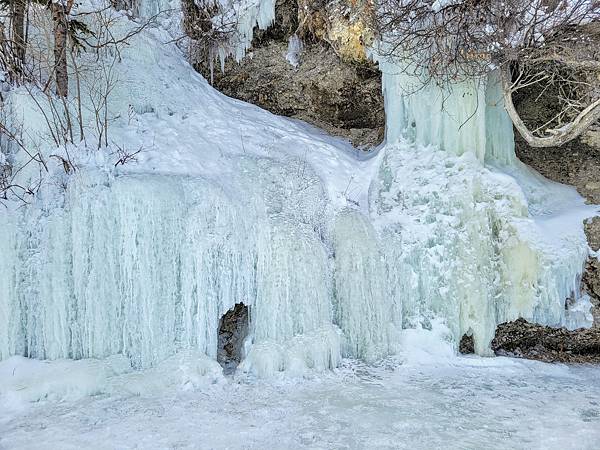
<point x="24" y="381"/>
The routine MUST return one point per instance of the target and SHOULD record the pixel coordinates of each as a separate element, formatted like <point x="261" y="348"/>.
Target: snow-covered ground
<point x="417" y="402"/>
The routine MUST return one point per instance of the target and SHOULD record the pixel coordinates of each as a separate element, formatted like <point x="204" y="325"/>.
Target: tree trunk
<point x="18" y="30"/>
<point x="572" y="130"/>
<point x="61" y="76"/>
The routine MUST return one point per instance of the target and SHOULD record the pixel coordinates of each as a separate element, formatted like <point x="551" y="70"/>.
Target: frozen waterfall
<point x="334" y="255"/>
<point x="147" y="266"/>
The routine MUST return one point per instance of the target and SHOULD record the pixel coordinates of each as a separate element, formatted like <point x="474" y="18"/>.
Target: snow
<point x="425" y="399"/>
<point x="294" y="50"/>
<point x="438" y="5"/>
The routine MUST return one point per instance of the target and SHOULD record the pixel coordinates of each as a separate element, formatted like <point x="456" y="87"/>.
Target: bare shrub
<point x="547" y="42"/>
<point x="64" y="49"/>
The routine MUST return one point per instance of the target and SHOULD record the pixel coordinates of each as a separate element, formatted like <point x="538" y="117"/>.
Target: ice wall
<point x="461" y="244"/>
<point x="147" y="266"/>
<point x="365" y="307"/>
<point x="461" y="117"/>
<point x="465" y="214"/>
<point x="448" y="227"/>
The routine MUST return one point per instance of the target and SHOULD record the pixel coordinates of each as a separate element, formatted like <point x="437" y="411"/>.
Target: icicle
<point x="294" y="50"/>
<point x="459" y="117"/>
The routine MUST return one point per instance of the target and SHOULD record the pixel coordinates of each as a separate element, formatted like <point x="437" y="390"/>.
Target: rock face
<point x="523" y="339"/>
<point x="232" y="332"/>
<point x="331" y="86"/>
<point x="466" y="345"/>
<point x="591" y="284"/>
<point x="344" y="100"/>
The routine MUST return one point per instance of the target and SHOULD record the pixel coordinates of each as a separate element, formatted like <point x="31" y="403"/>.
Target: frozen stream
<point x="452" y="403"/>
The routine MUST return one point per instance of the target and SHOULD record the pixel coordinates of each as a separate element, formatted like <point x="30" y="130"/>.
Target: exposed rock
<point x="344" y="24"/>
<point x="233" y="329"/>
<point x="574" y="163"/>
<point x="284" y="25"/>
<point x="342" y="99"/>
<point x="591" y="284"/>
<point x="592" y="231"/>
<point x="466" y="345"/>
<point x="526" y="340"/>
<point x="341" y="95"/>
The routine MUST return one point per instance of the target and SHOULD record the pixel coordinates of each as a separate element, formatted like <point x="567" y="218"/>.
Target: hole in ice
<point x="233" y="329"/>
<point x="467" y="345"/>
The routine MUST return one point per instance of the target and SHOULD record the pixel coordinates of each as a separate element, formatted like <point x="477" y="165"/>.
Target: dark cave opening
<point x="233" y="329"/>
